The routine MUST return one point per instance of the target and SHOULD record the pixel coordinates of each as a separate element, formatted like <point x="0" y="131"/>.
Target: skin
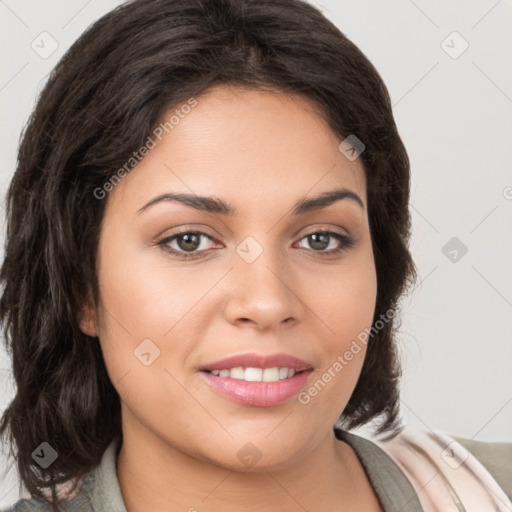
<point x="260" y="152"/>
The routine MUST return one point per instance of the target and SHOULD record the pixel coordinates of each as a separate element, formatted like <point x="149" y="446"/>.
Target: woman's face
<point x="261" y="281"/>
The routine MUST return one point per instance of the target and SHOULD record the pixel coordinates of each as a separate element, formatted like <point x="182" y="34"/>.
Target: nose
<point x="264" y="292"/>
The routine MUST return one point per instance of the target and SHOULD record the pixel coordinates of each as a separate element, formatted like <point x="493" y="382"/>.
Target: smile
<point x="257" y="392"/>
<point x="256" y="374"/>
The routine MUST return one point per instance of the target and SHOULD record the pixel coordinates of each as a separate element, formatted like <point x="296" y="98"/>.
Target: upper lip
<point x="259" y="361"/>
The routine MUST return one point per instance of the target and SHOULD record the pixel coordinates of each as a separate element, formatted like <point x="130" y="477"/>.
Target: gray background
<point x="454" y="113"/>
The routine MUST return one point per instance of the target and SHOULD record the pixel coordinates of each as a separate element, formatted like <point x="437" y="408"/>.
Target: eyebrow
<point x="218" y="206"/>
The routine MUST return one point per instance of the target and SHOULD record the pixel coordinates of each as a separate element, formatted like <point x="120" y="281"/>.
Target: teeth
<point x="256" y="374"/>
<point x="237" y="373"/>
<point x="270" y="375"/>
<point x="253" y="374"/>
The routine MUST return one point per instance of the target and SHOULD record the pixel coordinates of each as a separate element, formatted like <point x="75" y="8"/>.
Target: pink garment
<point x="444" y="474"/>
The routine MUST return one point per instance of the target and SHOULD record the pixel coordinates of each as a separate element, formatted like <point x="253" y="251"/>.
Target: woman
<point x="207" y="242"/>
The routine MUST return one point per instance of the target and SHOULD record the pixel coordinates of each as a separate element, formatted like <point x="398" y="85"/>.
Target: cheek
<point x="345" y="305"/>
<point x="144" y="312"/>
<point x="142" y="295"/>
<point x="344" y="299"/>
<point x="149" y="315"/>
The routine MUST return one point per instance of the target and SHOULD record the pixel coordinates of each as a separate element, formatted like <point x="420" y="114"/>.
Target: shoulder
<point x="444" y="471"/>
<point x="96" y="488"/>
<point x="495" y="457"/>
<point x="79" y="503"/>
<point x="75" y="503"/>
<point x="391" y="485"/>
<point x="71" y="498"/>
<point x="26" y="505"/>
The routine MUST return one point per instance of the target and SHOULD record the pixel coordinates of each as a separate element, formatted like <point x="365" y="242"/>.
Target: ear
<point x="87" y="320"/>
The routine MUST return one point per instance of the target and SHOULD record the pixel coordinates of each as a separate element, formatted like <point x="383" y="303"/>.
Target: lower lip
<point x="258" y="394"/>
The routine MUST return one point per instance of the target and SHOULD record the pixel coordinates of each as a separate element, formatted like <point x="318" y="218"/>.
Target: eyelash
<point x="345" y="241"/>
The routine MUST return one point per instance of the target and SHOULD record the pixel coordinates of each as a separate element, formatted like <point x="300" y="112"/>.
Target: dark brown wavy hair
<point x="100" y="103"/>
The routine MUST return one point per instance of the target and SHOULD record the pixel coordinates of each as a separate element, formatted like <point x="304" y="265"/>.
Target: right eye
<point x="187" y="243"/>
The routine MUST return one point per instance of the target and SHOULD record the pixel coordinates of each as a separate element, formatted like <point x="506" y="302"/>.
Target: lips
<point x="259" y="361"/>
<point x="258" y="393"/>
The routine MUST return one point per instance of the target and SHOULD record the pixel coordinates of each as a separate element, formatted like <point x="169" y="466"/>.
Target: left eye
<point x="319" y="238"/>
<point x="188" y="242"/>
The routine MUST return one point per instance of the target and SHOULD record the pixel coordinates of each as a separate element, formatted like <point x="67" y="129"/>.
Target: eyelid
<point x="189" y="229"/>
<point x="315" y="227"/>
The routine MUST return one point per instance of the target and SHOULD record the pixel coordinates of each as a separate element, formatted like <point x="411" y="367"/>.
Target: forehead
<point x="245" y="145"/>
